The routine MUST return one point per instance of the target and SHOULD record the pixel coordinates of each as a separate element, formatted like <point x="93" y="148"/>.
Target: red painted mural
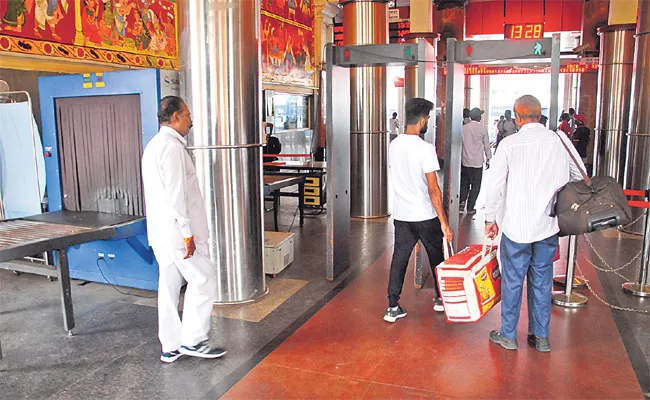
<point x="133" y="32"/>
<point x="288" y="42"/>
<point x="52" y="20"/>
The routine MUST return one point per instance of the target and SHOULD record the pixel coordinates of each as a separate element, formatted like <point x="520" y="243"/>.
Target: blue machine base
<point x="123" y="263"/>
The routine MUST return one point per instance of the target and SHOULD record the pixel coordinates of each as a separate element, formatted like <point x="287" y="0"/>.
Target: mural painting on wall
<point x="39" y="19"/>
<point x="287" y="42"/>
<point x="133" y="32"/>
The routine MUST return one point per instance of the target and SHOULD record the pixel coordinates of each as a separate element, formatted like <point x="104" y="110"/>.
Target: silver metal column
<point x="613" y="110"/>
<point x="366" y="22"/>
<point x="421" y="80"/>
<point x="637" y="166"/>
<point x="568" y="298"/>
<point x="220" y="81"/>
<point x="453" y="137"/>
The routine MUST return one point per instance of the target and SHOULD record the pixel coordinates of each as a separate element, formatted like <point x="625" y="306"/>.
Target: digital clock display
<point x="524" y="31"/>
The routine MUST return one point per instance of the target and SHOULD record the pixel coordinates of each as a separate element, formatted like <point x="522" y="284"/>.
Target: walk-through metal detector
<point x="337" y="105"/>
<point x="337" y="97"/>
<point x="540" y="51"/>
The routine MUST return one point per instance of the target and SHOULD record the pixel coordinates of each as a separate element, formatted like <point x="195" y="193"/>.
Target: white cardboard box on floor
<point x="278" y="251"/>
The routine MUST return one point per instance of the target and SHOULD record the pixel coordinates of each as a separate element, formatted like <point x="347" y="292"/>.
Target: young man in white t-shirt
<point x="417" y="207"/>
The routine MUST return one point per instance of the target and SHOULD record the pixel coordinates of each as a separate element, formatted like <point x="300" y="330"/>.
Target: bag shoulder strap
<point x="582" y="172"/>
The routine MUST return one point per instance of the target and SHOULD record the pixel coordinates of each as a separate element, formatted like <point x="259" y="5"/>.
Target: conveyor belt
<point x="19" y="231"/>
<point x="56" y="231"/>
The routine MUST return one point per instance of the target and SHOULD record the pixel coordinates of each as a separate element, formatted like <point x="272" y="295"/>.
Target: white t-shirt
<point x="409" y="159"/>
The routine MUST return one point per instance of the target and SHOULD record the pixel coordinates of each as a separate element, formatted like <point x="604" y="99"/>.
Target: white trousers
<point x="200" y="274"/>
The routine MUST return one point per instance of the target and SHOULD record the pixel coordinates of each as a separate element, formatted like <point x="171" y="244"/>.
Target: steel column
<point x="220" y="79"/>
<point x="613" y="110"/>
<point x="420" y="80"/>
<point x="637" y="162"/>
<point x="366" y="22"/>
<point x="453" y="138"/>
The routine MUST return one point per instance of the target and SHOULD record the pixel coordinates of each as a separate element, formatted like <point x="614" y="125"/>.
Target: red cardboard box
<point x="470" y="283"/>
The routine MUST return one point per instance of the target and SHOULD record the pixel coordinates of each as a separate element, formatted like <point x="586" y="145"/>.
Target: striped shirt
<point x="475" y="143"/>
<point x="530" y="167"/>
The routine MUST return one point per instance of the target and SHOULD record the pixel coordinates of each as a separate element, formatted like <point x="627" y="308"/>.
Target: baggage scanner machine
<point x="95" y="128"/>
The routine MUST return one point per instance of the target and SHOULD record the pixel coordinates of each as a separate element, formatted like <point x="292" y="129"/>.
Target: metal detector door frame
<point x="539" y="51"/>
<point x="339" y="60"/>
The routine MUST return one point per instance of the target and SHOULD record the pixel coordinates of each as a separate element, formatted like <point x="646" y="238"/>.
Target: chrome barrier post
<point x="578" y="281"/>
<point x="569" y="299"/>
<point x="641" y="288"/>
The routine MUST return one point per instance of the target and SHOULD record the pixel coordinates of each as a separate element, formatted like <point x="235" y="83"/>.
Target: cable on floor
<point x="115" y="287"/>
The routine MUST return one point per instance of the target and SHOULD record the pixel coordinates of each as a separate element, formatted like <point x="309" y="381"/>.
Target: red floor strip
<point x="347" y="351"/>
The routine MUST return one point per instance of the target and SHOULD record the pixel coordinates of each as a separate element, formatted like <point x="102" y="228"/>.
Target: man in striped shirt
<point x="527" y="171"/>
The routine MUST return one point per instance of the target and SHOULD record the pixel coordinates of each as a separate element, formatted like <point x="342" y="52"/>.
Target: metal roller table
<point x="55" y="231"/>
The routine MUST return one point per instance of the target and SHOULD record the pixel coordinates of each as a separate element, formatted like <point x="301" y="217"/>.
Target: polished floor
<point x="327" y="339"/>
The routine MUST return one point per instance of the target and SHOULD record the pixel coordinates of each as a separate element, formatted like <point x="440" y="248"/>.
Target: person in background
<point x="476" y="144"/>
<point x="466" y="119"/>
<point x="394" y="126"/>
<point x="272" y="145"/>
<point x="543" y="120"/>
<point x="418" y="213"/>
<point x="565" y="125"/>
<point x="177" y="229"/>
<point x="497" y="127"/>
<point x="507" y="127"/>
<point x="581" y="136"/>
<point x="527" y="172"/>
<point x="572" y="121"/>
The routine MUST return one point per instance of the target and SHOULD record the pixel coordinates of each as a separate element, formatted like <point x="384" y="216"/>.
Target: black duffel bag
<point x="591" y="204"/>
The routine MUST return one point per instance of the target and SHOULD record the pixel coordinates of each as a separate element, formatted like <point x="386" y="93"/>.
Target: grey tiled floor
<point x="115" y="351"/>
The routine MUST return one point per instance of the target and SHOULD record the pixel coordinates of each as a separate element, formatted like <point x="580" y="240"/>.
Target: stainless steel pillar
<point x="613" y="104"/>
<point x="637" y="166"/>
<point x="420" y="80"/>
<point x="220" y="81"/>
<point x="366" y="22"/>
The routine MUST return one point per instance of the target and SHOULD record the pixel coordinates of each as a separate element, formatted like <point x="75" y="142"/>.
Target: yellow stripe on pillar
<point x="622" y="12"/>
<point x="421" y="16"/>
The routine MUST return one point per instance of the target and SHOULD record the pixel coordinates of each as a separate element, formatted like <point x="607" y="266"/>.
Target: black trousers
<point x="407" y="235"/>
<point x="470" y="185"/>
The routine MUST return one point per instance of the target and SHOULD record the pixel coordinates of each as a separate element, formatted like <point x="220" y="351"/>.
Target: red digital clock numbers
<point x="524" y="31"/>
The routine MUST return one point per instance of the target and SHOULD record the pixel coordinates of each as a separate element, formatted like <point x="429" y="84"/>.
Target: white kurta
<point x="176" y="210"/>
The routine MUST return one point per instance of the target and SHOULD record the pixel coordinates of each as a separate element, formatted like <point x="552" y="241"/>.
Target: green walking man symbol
<point x="537" y="49"/>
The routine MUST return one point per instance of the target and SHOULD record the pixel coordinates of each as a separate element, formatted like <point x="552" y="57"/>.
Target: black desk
<point x="55" y="231"/>
<point x="272" y="186"/>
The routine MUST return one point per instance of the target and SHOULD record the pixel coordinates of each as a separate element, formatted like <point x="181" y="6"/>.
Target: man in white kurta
<point x="177" y="229"/>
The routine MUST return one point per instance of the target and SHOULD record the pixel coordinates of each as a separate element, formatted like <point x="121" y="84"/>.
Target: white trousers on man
<point x="200" y="274"/>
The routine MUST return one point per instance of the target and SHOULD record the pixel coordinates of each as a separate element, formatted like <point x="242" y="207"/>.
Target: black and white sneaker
<point x="393" y="313"/>
<point x="437" y="305"/>
<point x="203" y="350"/>
<point x="170" y="356"/>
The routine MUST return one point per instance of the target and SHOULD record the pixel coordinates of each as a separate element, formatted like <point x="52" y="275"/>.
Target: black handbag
<point x="591" y="204"/>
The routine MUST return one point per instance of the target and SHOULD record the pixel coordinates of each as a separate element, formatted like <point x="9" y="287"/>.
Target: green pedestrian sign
<point x="537" y="49"/>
